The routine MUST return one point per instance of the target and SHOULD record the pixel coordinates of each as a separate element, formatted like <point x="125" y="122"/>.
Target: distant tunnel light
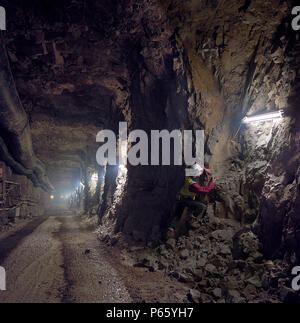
<point x="95" y="177"/>
<point x="122" y="169"/>
<point x="264" y="117"/>
<point x="51" y="197"/>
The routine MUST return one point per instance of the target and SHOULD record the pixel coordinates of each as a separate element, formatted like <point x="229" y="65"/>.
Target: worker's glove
<point x="209" y="171"/>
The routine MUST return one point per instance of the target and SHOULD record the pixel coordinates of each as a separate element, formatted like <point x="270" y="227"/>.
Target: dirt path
<point x="89" y="276"/>
<point x="58" y="260"/>
<point x="33" y="267"/>
<point x="11" y="241"/>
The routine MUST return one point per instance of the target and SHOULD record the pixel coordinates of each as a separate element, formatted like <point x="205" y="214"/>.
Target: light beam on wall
<point x="95" y="177"/>
<point x="264" y="117"/>
<point x="122" y="170"/>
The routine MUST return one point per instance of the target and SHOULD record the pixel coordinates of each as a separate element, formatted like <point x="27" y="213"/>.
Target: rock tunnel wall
<point x="235" y="59"/>
<point x="167" y="65"/>
<point x="140" y="207"/>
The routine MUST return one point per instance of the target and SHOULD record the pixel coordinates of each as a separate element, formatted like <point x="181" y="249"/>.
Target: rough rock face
<point x="242" y="58"/>
<point x="78" y="74"/>
<point x="80" y="67"/>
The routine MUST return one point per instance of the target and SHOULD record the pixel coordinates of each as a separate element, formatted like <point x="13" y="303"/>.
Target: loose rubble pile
<point x="220" y="261"/>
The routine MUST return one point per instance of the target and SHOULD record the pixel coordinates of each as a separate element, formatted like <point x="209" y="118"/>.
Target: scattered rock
<point x="217" y="292"/>
<point x="194" y="296"/>
<point x="225" y="250"/>
<point x="201" y="262"/>
<point x="235" y="297"/>
<point x="211" y="269"/>
<point x="223" y="235"/>
<point x="171" y="243"/>
<point x="286" y="294"/>
<point x="250" y="292"/>
<point x="205" y="298"/>
<point x="184" y="254"/>
<point x="214" y="250"/>
<point x="255" y="281"/>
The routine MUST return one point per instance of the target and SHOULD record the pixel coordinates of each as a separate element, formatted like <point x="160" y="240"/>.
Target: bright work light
<point x="264" y="117"/>
<point x="95" y="177"/>
<point x="122" y="167"/>
<point x="122" y="170"/>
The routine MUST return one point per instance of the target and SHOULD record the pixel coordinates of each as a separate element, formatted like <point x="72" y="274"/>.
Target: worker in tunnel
<point x="191" y="198"/>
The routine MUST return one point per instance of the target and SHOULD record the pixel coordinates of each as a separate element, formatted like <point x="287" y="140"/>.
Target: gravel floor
<point x="60" y="260"/>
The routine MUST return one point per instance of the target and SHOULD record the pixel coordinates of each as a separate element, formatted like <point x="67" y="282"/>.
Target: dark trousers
<point x="197" y="207"/>
<point x="183" y="211"/>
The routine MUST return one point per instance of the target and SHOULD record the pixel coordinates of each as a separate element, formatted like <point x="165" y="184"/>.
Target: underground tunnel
<point x="135" y="229"/>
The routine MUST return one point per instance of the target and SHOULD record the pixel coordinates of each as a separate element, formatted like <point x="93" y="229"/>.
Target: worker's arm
<point x="208" y="171"/>
<point x="196" y="188"/>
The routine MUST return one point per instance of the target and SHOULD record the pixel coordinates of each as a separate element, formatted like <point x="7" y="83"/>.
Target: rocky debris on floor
<point x="194" y="296"/>
<point x="220" y="261"/>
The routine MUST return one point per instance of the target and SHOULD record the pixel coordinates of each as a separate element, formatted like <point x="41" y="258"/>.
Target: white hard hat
<point x="198" y="169"/>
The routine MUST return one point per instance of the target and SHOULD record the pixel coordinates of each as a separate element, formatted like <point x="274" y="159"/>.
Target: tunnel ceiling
<point x="74" y="63"/>
<point x="70" y="64"/>
<point x="68" y="59"/>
